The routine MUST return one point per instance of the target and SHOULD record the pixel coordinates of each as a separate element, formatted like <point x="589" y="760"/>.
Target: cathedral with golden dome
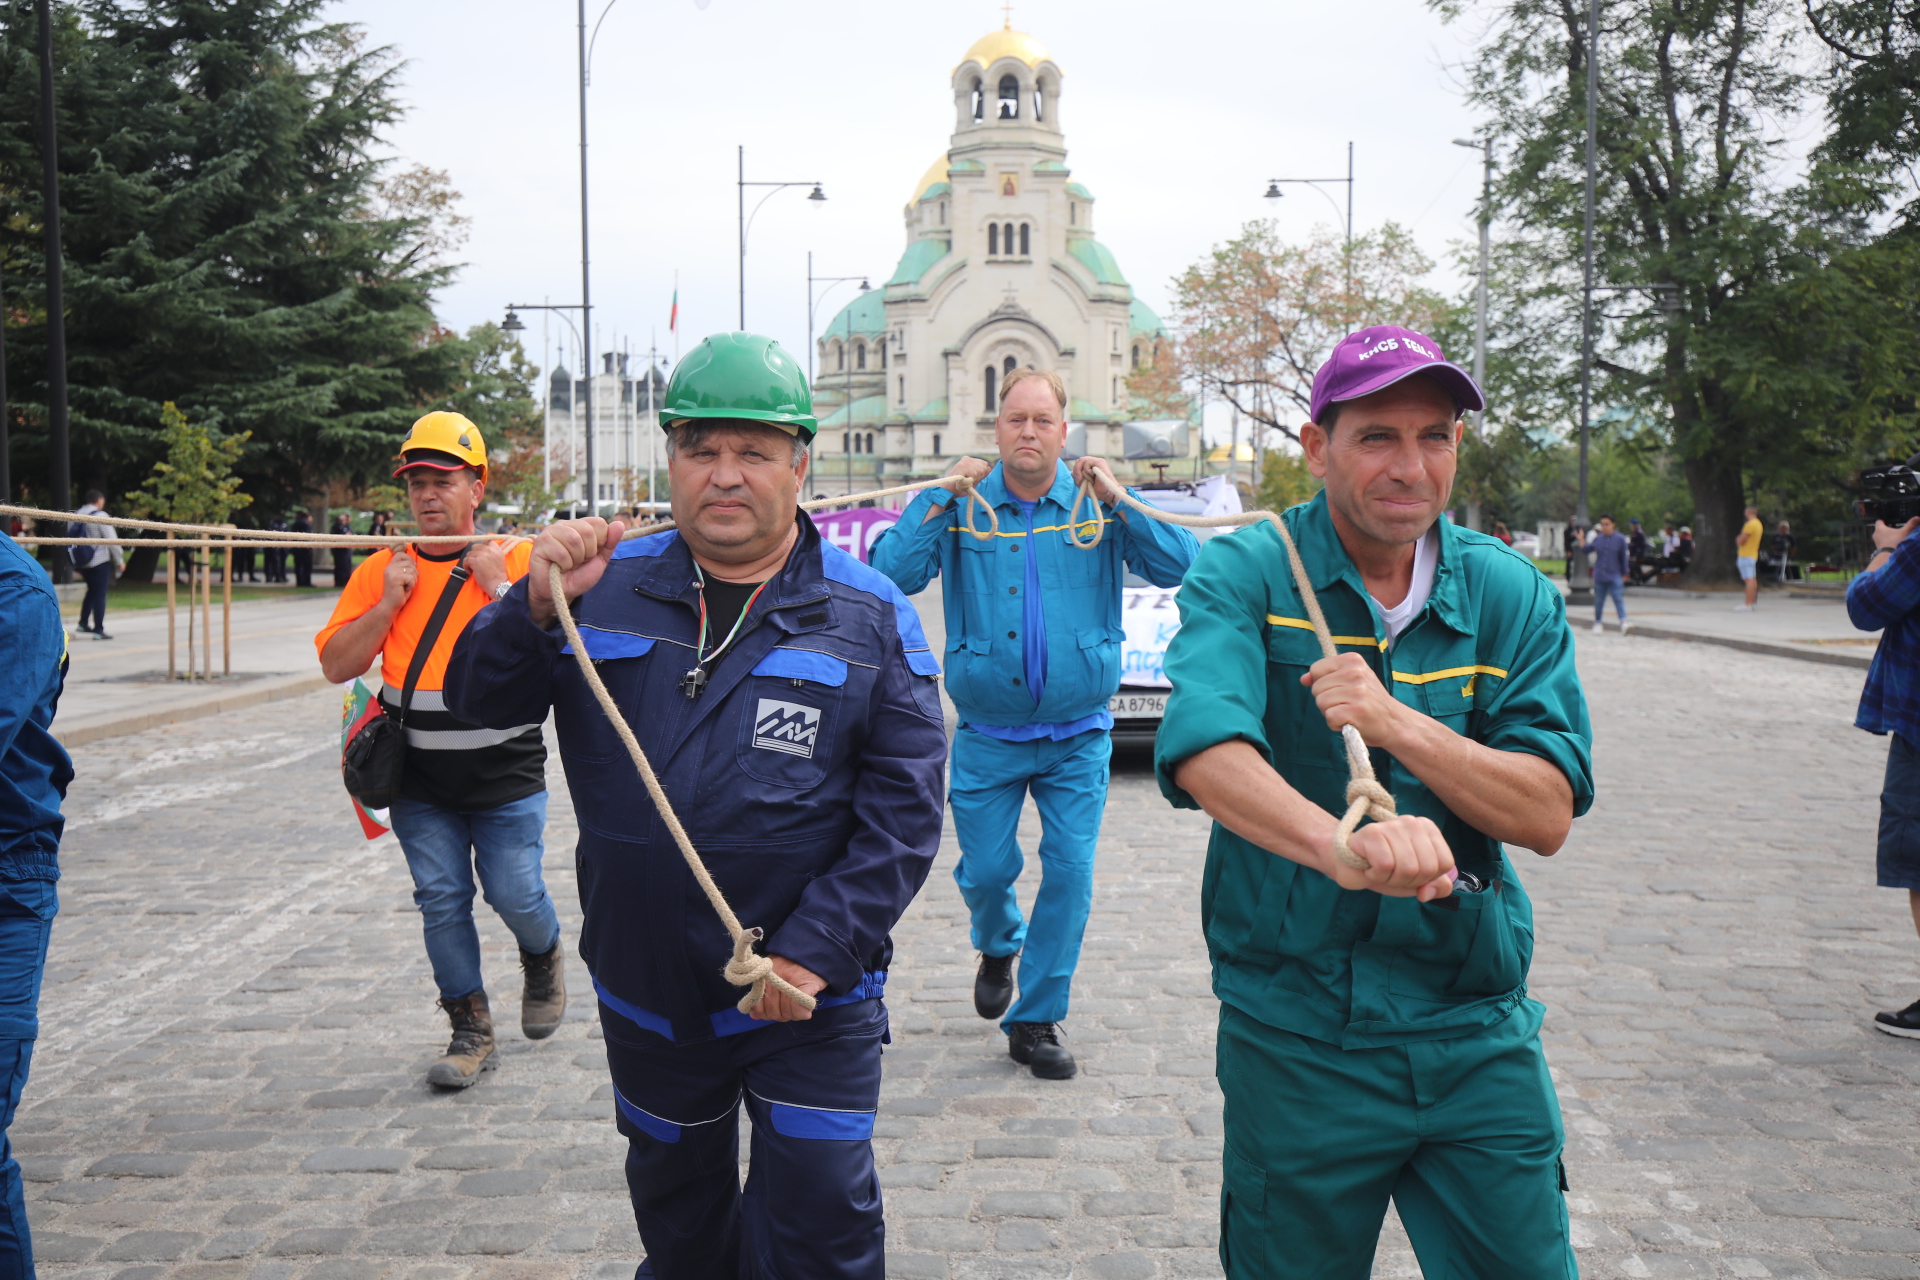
<point x="1001" y="269"/>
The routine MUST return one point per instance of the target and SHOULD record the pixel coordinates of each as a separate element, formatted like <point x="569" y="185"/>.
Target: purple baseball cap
<point x="1380" y="355"/>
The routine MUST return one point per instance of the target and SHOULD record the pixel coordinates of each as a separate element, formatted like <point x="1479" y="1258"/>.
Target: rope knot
<point x="1379" y="800"/>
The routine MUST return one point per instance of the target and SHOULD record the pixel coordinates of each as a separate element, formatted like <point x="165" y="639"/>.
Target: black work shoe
<point x="1904" y="1023"/>
<point x="1037" y="1045"/>
<point x="993" y="985"/>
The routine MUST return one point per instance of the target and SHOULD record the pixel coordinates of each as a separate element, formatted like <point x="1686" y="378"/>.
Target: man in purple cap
<point x="1376" y="1041"/>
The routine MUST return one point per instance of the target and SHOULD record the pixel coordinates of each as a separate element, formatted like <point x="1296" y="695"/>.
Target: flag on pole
<point x="673" y="316"/>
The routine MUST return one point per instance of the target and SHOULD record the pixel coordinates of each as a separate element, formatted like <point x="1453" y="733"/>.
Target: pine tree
<point x="234" y="244"/>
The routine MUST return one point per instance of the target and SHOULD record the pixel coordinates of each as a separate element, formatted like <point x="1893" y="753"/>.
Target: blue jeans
<point x="27" y="909"/>
<point x="1603" y="589"/>
<point x="444" y="848"/>
<point x="988" y="787"/>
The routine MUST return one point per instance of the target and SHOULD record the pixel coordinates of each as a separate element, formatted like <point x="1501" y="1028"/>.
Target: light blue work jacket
<point x="985" y="581"/>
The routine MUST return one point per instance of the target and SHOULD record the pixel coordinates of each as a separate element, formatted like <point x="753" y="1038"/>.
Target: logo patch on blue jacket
<point x="786" y="726"/>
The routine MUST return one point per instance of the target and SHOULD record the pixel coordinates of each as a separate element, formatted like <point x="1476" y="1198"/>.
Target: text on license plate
<point x="1137" y="705"/>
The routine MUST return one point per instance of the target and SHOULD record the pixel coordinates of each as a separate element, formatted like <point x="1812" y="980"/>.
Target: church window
<point x="936" y="444"/>
<point x="991" y="406"/>
<point x="903" y="388"/>
<point x="1136" y="355"/>
<point x="1116" y="342"/>
<point x="993" y="239"/>
<point x="883" y="355"/>
<point x="1038" y="105"/>
<point x="979" y="101"/>
<point x="869" y="442"/>
<point x="1009" y="98"/>
<point x="943" y="213"/>
<point x="1024" y="230"/>
<point x="1010" y="364"/>
<point x="860" y="355"/>
<point x="846" y="442"/>
<point x="1007" y="233"/>
<point x="1073" y="214"/>
<point x="839" y="357"/>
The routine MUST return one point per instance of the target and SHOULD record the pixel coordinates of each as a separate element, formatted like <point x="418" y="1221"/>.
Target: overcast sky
<point x="1175" y="115"/>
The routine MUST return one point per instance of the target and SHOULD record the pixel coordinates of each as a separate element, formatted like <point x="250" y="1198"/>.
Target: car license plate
<point x="1138" y="706"/>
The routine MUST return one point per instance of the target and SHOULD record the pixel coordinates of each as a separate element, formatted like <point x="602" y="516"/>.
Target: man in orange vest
<point x="472" y="799"/>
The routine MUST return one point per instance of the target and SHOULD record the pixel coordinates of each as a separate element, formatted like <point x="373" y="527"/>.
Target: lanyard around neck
<point x="696" y="679"/>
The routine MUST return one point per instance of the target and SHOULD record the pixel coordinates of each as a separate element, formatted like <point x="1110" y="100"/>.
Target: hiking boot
<point x="1037" y="1045"/>
<point x="993" y="985"/>
<point x="1904" y="1023"/>
<point x="544" y="997"/>
<point x="471" y="1050"/>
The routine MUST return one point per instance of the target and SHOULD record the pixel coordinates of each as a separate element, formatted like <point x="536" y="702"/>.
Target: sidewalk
<point x="120" y="685"/>
<point x="1803" y="623"/>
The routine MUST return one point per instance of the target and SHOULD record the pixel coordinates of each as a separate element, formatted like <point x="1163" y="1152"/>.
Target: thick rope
<point x="1366" y="798"/>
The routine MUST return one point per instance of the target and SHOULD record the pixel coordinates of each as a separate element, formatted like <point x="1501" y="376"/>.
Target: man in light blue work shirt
<point x="1033" y="655"/>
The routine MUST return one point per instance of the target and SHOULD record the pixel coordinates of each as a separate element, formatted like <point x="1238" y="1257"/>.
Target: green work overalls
<point x="1371" y="1047"/>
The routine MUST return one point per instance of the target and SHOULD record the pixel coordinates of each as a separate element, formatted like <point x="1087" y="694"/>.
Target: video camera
<point x="1890" y="493"/>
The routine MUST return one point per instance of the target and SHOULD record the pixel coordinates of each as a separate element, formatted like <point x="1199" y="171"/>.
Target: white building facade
<point x="1002" y="270"/>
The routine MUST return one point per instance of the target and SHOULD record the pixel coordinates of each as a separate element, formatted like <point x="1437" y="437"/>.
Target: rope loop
<point x="1098" y="520"/>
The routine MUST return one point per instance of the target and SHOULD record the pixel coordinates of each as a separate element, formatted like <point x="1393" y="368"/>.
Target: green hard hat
<point x="741" y="375"/>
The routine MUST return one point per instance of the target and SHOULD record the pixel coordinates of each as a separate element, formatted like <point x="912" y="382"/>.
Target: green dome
<point x="866" y="314"/>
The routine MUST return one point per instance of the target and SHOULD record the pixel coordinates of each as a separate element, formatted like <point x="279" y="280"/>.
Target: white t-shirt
<point x="1426" y="558"/>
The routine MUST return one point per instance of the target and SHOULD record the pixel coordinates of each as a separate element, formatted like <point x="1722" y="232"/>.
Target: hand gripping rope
<point x="1366" y="798"/>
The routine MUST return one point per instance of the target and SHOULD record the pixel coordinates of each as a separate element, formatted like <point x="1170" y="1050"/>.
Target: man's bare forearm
<point x="1237" y="788"/>
<point x="354" y="647"/>
<point x="1511" y="796"/>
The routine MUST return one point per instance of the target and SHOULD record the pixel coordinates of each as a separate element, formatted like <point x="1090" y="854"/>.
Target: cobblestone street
<point x="238" y="1014"/>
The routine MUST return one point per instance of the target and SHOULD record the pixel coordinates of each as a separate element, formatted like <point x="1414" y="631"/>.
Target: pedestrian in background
<point x="1612" y="563"/>
<point x="1033" y="657"/>
<point x="34" y="773"/>
<point x="342" y="556"/>
<point x="302" y="553"/>
<point x="98" y="565"/>
<point x="1885" y="597"/>
<point x="382" y="527"/>
<point x="1500" y="532"/>
<point x="277" y="553"/>
<point x="1780" y="550"/>
<point x="1747" y="558"/>
<point x="472" y="799"/>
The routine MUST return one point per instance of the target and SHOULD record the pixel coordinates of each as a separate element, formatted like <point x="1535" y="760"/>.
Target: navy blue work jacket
<point x="808" y="772"/>
<point x="34" y="768"/>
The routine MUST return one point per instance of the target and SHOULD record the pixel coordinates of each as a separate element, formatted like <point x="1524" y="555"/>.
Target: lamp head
<point x="1468" y="142"/>
<point x="865" y="287"/>
<point x="1273" y="191"/>
<point x="817" y="195"/>
<point x="512" y="323"/>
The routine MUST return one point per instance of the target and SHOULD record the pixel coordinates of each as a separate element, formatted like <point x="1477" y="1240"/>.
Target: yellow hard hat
<point x="444" y="441"/>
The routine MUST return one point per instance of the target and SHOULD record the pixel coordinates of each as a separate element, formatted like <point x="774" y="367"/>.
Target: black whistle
<point x="693" y="682"/>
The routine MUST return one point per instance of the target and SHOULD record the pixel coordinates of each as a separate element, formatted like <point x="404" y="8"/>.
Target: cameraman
<point x="1887" y="597"/>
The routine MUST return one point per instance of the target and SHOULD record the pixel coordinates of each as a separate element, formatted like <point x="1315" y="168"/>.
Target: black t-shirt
<point x="725" y="602"/>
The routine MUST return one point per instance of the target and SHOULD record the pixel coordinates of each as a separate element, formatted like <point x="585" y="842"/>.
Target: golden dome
<point x="936" y="172"/>
<point x="1007" y="43"/>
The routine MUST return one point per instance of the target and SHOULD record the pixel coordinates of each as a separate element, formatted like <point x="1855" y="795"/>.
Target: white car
<point x="1527" y="544"/>
<point x="1151" y="618"/>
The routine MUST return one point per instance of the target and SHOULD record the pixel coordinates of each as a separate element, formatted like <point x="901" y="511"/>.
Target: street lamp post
<point x="1485" y="146"/>
<point x="512" y="324"/>
<point x="1579" y="579"/>
<point x="812" y="308"/>
<point x="817" y="196"/>
<point x="1274" y="193"/>
<point x="58" y="461"/>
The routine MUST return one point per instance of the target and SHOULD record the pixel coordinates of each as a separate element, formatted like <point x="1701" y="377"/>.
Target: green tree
<point x="1257" y="317"/>
<point x="493" y="383"/>
<point x="235" y="242"/>
<point x="1284" y="481"/>
<point x="1791" y="350"/>
<point x="194" y="483"/>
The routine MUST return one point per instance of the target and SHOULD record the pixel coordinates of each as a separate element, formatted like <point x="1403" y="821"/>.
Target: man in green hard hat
<point x="786" y="697"/>
<point x="1376" y="1041"/>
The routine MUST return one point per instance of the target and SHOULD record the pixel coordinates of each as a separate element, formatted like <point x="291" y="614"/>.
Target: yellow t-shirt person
<point x="1750" y="535"/>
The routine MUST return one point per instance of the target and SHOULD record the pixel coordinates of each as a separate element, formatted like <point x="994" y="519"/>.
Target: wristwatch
<point x="500" y="592"/>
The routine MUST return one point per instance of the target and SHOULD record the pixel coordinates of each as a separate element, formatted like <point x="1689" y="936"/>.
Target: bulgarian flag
<point x="673" y="316"/>
<point x="359" y="707"/>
